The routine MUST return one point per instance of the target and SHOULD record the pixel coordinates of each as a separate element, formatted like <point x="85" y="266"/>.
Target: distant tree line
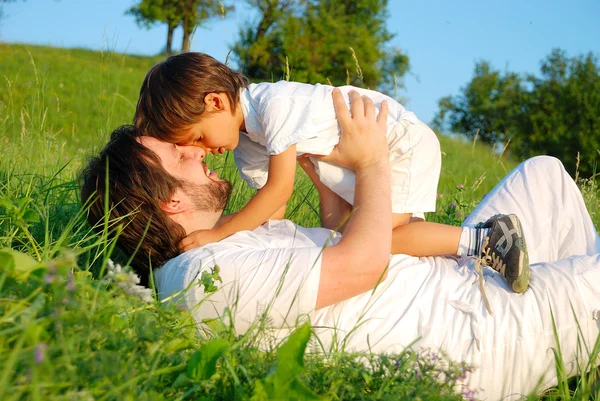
<point x="556" y="113"/>
<point x="335" y="41"/>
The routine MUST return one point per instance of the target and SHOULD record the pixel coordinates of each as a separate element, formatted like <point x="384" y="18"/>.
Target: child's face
<point x="217" y="130"/>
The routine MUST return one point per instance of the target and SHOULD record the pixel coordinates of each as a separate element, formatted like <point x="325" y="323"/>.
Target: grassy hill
<point x="59" y="105"/>
<point x="68" y="331"/>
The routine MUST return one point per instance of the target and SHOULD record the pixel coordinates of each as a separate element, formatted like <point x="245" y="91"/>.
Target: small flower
<point x="453" y="205"/>
<point x="460" y="186"/>
<point x="39" y="352"/>
<point x="440" y="196"/>
<point x="49" y="278"/>
<point x="71" y="287"/>
<point x="52" y="266"/>
<point x="469" y="395"/>
<point x="128" y="281"/>
<point x="459" y="215"/>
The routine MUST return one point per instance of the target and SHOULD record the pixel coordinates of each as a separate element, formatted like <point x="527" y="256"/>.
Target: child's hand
<point x="199" y="238"/>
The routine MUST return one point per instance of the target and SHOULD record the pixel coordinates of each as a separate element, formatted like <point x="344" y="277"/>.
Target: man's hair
<point x="132" y="179"/>
<point x="173" y="92"/>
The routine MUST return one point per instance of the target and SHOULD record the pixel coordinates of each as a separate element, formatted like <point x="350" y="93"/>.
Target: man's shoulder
<point x="180" y="272"/>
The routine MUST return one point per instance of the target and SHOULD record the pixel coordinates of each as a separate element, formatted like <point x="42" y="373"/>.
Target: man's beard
<point x="211" y="197"/>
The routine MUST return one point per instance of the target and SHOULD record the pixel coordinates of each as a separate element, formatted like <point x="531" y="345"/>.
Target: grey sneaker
<point x="505" y="250"/>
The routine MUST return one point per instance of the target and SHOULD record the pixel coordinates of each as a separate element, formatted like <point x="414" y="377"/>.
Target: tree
<point x="188" y="13"/>
<point x="149" y="12"/>
<point x="562" y="116"/>
<point x="259" y="48"/>
<point x="556" y="113"/>
<point x="487" y="106"/>
<point x="335" y="41"/>
<point x="197" y="12"/>
<point x="1" y="10"/>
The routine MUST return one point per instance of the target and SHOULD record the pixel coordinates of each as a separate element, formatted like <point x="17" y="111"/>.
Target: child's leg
<point x="415" y="162"/>
<point x="554" y="217"/>
<point x="421" y="238"/>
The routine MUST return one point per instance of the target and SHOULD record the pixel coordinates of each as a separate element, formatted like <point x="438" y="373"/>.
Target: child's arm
<point x="266" y="203"/>
<point x="280" y="214"/>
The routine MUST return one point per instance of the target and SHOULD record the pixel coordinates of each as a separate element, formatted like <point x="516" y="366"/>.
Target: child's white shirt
<point x="278" y="115"/>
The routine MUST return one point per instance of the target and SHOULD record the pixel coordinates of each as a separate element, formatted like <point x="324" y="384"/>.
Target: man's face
<point x="186" y="163"/>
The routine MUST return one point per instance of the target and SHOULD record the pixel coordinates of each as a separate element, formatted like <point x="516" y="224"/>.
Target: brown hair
<point x="135" y="182"/>
<point x="173" y="92"/>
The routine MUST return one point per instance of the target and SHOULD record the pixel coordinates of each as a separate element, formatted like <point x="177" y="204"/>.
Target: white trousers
<point x="564" y="252"/>
<point x="434" y="303"/>
<point x="553" y="214"/>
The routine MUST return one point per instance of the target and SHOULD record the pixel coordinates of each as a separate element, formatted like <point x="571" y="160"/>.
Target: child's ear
<point x="215" y="102"/>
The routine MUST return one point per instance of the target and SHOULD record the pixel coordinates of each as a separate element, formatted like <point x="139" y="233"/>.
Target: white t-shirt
<point x="253" y="267"/>
<point x="431" y="303"/>
<point x="278" y="115"/>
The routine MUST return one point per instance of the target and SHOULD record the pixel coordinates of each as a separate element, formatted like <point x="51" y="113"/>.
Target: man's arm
<point x="358" y="262"/>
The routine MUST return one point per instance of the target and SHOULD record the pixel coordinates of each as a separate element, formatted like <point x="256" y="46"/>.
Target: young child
<point x="193" y="99"/>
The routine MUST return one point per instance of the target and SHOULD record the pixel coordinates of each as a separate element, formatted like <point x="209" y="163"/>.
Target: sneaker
<point x="505" y="251"/>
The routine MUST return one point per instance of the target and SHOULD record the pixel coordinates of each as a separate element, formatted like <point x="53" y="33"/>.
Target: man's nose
<point x="201" y="152"/>
<point x="194" y="151"/>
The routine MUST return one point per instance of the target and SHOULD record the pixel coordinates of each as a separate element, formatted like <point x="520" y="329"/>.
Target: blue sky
<point x="443" y="39"/>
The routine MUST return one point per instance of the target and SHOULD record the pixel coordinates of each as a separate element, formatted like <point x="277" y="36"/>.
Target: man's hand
<point x="363" y="142"/>
<point x="200" y="238"/>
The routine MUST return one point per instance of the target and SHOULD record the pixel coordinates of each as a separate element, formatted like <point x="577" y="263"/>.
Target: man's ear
<point x="175" y="205"/>
<point x="215" y="102"/>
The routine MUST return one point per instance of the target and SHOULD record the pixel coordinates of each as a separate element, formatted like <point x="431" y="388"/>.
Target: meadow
<point x="71" y="325"/>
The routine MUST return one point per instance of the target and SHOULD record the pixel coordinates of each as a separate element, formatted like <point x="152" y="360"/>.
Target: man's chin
<point x="209" y="197"/>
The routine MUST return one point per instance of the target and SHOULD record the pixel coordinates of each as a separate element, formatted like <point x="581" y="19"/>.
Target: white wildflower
<point x="128" y="281"/>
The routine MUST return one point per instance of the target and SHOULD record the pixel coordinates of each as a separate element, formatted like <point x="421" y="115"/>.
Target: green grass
<point x="69" y="331"/>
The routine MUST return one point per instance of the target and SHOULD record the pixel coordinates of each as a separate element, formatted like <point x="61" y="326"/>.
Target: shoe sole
<point x="521" y="283"/>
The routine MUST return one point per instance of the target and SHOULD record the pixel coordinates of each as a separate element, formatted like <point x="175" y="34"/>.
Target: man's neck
<point x="198" y="220"/>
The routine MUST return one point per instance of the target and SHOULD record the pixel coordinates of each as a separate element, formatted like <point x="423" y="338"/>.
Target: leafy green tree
<point x="259" y="49"/>
<point x="188" y="13"/>
<point x="197" y="12"/>
<point x="5" y="1"/>
<point x="336" y="41"/>
<point x="555" y="113"/>
<point x="487" y="106"/>
<point x="149" y="12"/>
<point x="563" y="112"/>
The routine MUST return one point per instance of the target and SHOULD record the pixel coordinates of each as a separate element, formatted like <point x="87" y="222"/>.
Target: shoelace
<point x="488" y="258"/>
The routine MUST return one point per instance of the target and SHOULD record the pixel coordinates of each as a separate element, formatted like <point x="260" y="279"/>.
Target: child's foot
<point x="505" y="250"/>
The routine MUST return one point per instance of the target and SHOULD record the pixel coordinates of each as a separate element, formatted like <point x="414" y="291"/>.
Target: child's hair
<point x="172" y="95"/>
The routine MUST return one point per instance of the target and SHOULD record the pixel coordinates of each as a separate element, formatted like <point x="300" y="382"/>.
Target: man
<point x="286" y="271"/>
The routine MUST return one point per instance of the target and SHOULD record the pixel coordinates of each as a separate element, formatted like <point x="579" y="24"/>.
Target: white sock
<point x="471" y="241"/>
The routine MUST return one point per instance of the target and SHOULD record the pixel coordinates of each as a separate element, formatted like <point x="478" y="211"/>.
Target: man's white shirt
<point x="430" y="303"/>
